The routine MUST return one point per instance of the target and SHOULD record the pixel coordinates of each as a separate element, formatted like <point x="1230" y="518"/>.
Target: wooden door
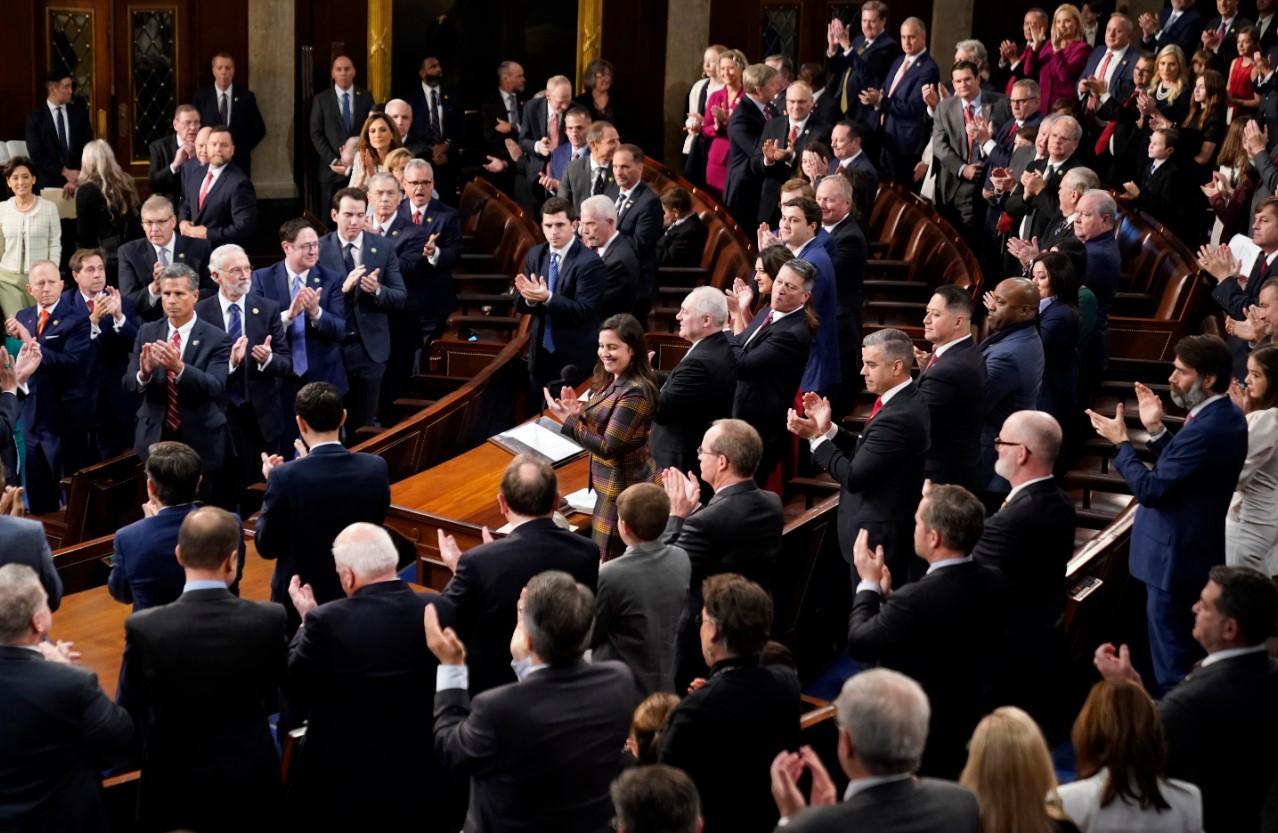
<point x="150" y="72"/>
<point x="73" y="36"/>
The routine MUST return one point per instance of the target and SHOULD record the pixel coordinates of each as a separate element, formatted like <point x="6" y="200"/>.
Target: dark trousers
<point x="43" y="472"/>
<point x="248" y="445"/>
<point x="1172" y="648"/>
<point x="365" y="379"/>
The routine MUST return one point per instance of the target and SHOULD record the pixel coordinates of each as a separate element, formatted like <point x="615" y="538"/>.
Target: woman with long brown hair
<point x="613" y="426"/>
<point x="1251" y="526"/>
<point x="1231" y="187"/>
<point x="377" y="138"/>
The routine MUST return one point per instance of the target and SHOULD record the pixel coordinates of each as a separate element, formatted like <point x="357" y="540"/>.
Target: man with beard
<point x="1179" y="531"/>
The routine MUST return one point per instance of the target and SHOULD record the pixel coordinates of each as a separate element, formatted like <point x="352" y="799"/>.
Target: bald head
<point x="1015" y="302"/>
<point x="1031" y="442"/>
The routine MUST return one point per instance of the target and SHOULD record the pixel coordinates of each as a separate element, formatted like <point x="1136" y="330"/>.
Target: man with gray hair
<point x="699" y="389"/>
<point x="597" y="228"/>
<point x="400" y="112"/>
<point x="59" y="729"/>
<point x="349" y="653"/>
<point x="179" y="366"/>
<point x="883" y="718"/>
<point x="1095" y="217"/>
<point x="742" y="188"/>
<point x="881" y="471"/>
<point x="509" y="738"/>
<point x="1074" y="184"/>
<point x="656" y="799"/>
<point x="949" y="625"/>
<point x="431" y="296"/>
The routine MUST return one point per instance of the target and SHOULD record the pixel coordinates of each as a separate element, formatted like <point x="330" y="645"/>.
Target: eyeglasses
<point x="704" y="451"/>
<point x="306" y="247"/>
<point x="157" y="223"/>
<point x="236" y="270"/>
<point x="1000" y="441"/>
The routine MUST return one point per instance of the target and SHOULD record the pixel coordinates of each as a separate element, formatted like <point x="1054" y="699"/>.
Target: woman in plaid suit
<point x="614" y="424"/>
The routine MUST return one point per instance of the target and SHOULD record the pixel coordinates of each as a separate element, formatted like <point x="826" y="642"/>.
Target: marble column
<point x="951" y="23"/>
<point x="272" y="66"/>
<point x="687" y="36"/>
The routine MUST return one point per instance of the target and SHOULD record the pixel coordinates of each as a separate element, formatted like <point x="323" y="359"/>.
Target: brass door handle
<point x="123" y="111"/>
<point x="102" y="123"/>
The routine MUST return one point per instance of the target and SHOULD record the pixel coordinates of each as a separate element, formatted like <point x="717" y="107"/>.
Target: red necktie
<point x="44" y="319"/>
<point x="794" y="134"/>
<point x="173" y="416"/>
<point x="417" y="218"/>
<point x="931" y="361"/>
<point x="90" y="303"/>
<point x="204" y="190"/>
<point x="553" y="132"/>
<point x="969" y="115"/>
<point x="1104" y="65"/>
<point x="878" y="406"/>
<point x="1102" y="144"/>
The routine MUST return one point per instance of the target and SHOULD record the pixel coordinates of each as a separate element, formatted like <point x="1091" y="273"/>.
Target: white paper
<point x="583" y="500"/>
<point x="555" y="446"/>
<point x="1245" y="250"/>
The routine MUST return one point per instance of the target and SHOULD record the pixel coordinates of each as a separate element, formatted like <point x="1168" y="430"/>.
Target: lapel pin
<point x="255" y="311"/>
<point x="395" y="233"/>
<point x="55" y="322"/>
<point x="372" y="250"/>
<point x="195" y="343"/>
<point x="181" y="255"/>
<point x="429" y="218"/>
<point x="315" y="280"/>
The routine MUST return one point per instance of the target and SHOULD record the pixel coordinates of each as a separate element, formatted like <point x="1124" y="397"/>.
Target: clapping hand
<point x="269" y="463"/>
<point x="869" y="565"/>
<point x="773" y="152"/>
<point x="14" y="329"/>
<point x="1115" y="664"/>
<point x="567" y="405"/>
<point x="165" y="356"/>
<point x="449" y="552"/>
<point x="870" y="97"/>
<point x="262" y="352"/>
<point x="533" y="288"/>
<point x="1255" y="139"/>
<point x="683" y="490"/>
<point x="742" y="293"/>
<point x="302" y="595"/>
<point x="11" y="502"/>
<point x="494" y="165"/>
<point x="352" y="279"/>
<point x="1113" y="428"/>
<point x="766" y="237"/>
<point x="238" y="349"/>
<point x="443" y="642"/>
<point x="428" y="251"/>
<point x="787" y="768"/>
<point x="1220" y="263"/>
<point x="58" y="651"/>
<point x="1150" y="408"/>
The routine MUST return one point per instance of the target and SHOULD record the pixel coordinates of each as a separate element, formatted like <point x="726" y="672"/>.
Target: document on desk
<point x="583" y="500"/>
<point x="538" y="438"/>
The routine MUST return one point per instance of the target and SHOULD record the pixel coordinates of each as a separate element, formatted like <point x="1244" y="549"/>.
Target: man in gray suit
<point x="883" y="717"/>
<point x="641" y="594"/>
<point x="959" y="157"/>
<point x="591" y="173"/>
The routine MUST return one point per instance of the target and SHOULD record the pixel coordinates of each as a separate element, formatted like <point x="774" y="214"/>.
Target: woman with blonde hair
<point x="106" y="204"/>
<point x="1010" y="771"/>
<point x="377" y="138"/>
<point x="694" y="146"/>
<point x="395" y="162"/>
<point x="1169" y="92"/>
<point x="719" y="107"/>
<point x="30" y="232"/>
<point x="1058" y="62"/>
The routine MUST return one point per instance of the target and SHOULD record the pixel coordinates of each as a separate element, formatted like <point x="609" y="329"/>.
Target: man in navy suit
<point x="597" y="229"/>
<point x="1180" y="24"/>
<point x="260" y="360"/>
<point x="540" y="115"/>
<point x="436" y="122"/>
<point x="218" y="201"/>
<point x="337" y="113"/>
<point x="844" y="241"/>
<point x="170" y="153"/>
<point x="429" y="281"/>
<point x="1220" y="35"/>
<point x="952" y="383"/>
<point x="112" y="330"/>
<point x="56" y="411"/>
<point x="802" y="234"/>
<point x="741" y="187"/>
<point x="782" y="143"/>
<point x="1179" y="531"/>
<point x="853" y="64"/>
<point x="311" y="499"/>
<point x="1236" y="293"/>
<point x="880" y="472"/>
<point x="899" y="104"/>
<point x="562" y="287"/>
<point x="639" y="220"/>
<point x="371" y="288"/>
<point x="141" y="261"/>
<point x="144" y="570"/>
<point x="179" y="366"/>
<point x="1108" y="72"/>
<point x="1013" y="354"/>
<point x="311" y="310"/>
<point x="56" y="134"/>
<point x="222" y="103"/>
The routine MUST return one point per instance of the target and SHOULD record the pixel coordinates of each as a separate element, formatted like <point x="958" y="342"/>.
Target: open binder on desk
<point x="540" y="437"/>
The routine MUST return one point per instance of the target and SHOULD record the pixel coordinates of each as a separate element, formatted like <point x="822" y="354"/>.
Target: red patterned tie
<point x="878" y="406"/>
<point x="417" y="218"/>
<point x="172" y="416"/>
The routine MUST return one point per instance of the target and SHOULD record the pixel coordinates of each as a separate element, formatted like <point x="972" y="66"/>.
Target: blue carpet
<point x="409" y="573"/>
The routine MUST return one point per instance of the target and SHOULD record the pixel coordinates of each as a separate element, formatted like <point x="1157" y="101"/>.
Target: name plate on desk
<point x="540" y="437"/>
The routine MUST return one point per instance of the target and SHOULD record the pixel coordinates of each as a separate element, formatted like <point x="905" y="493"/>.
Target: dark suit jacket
<point x="881" y="475"/>
<point x="533" y="127"/>
<point x="1121" y="83"/>
<point x="328" y="133"/>
<point x="353" y="653"/>
<point x="108" y="356"/>
<point x="22" y="541"/>
<point x="529" y="768"/>
<point x="491" y="108"/>
<point x="848" y="251"/>
<point x="430" y="288"/>
<point x="954" y="390"/>
<point x="230" y="206"/>
<point x="682" y="244"/>
<point x="725" y="735"/>
<point x="863" y="66"/>
<point x="639" y="219"/>
<point x="769" y="368"/>
<point x="1186" y="32"/>
<point x="57" y="402"/>
<point x="577" y="182"/>
<point x="487" y="584"/>
<point x="738" y="531"/>
<point x="1043" y="208"/>
<point x="451" y="126"/>
<point x="1221" y="730"/>
<point x="247" y="126"/>
<point x="1179" y="531"/>
<point x="949" y="625"/>
<point x="741" y="188"/>
<point x="624" y="283"/>
<point x="1234" y="301"/>
<point x="10" y="413"/>
<point x="911" y="805"/>
<point x="1000" y="156"/>
<point x="159" y="174"/>
<point x="144" y="571"/>
<point x="905" y="123"/>
<point x="367" y="314"/>
<point x="200" y="677"/>
<point x="201" y="392"/>
<point x="696" y="393"/>
<point x="307" y="503"/>
<point x="575" y="307"/>
<point x="1058" y="330"/>
<point x="1013" y="375"/>
<point x="1163" y="194"/>
<point x="260" y="319"/>
<point x="137" y="260"/>
<point x="323" y="336"/>
<point x="45" y="151"/>
<point x="1228" y="49"/>
<point x="58" y="733"/>
<point x="773" y="176"/>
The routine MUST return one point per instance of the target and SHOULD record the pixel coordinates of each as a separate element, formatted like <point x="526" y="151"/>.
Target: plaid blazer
<point x="614" y="429"/>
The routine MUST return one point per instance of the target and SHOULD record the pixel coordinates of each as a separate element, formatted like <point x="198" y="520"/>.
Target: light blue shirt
<point x="203" y="584"/>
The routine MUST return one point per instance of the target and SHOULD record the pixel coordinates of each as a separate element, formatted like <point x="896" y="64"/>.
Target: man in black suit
<point x="221" y="103"/>
<point x="59" y="729"/>
<point x="846" y="245"/>
<point x="880" y="472"/>
<point x="1034" y="201"/>
<point x="949" y="625"/>
<point x="401" y="115"/>
<point x="542" y="127"/>
<point x="952" y="384"/>
<point x="846" y="142"/>
<point x="683" y="241"/>
<point x="511" y="738"/>
<point x="500" y="116"/>
<point x="1220" y="722"/>
<point x="141" y="261"/>
<point x="336" y="115"/>
<point x="639" y="219"/>
<point x="179" y="367"/>
<point x="311" y="499"/>
<point x="855" y="63"/>
<point x="200" y="677"/>
<point x="1030" y="540"/>
<point x="741" y="186"/>
<point x="1266" y="31"/>
<point x="437" y="123"/>
<point x="882" y="733"/>
<point x="362" y="649"/>
<point x="1178" y="23"/>
<point x="170" y="153"/>
<point x="597" y="229"/>
<point x="1220" y="35"/>
<point x="782" y="143"/>
<point x="659" y="795"/>
<point x="562" y="287"/>
<point x="487" y="580"/>
<point x="1159" y="187"/>
<point x="219" y="203"/>
<point x="771" y="355"/>
<point x="699" y="389"/>
<point x="56" y="134"/>
<point x="260" y="360"/>
<point x="372" y="288"/>
<point x="429" y="280"/>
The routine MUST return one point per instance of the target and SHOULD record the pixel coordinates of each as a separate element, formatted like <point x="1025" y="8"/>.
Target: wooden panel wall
<point x="330" y="26"/>
<point x="216" y="26"/>
<point x="634" y="40"/>
<point x="20" y="82"/>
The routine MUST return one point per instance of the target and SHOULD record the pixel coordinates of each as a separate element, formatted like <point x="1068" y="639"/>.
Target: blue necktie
<point x="552" y="280"/>
<point x="235" y="329"/>
<point x="297" y="334"/>
<point x="346" y="112"/>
